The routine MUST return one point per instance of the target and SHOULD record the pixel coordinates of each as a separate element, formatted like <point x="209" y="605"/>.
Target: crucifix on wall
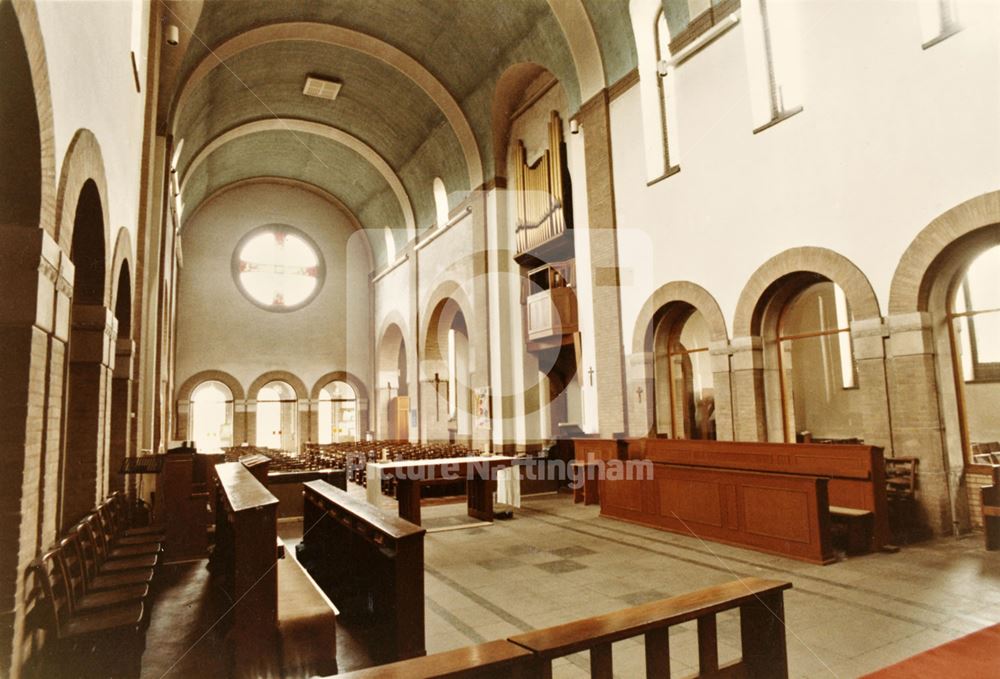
<point x="590" y="373"/>
<point x="638" y="393"/>
<point x="437" y="382"/>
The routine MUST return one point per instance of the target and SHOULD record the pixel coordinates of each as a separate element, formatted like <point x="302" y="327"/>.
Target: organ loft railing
<point x="543" y="198"/>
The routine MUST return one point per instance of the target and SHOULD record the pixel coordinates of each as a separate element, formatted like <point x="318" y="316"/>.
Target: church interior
<point x="500" y="338"/>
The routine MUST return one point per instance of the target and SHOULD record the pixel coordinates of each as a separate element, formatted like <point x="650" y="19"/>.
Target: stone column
<point x="916" y="418"/>
<point x="720" y="354"/>
<point x="749" y="416"/>
<point x="34" y="310"/>
<point x="868" y="339"/>
<point x="121" y="412"/>
<point x="304" y="425"/>
<point x="84" y="471"/>
<point x="610" y="370"/>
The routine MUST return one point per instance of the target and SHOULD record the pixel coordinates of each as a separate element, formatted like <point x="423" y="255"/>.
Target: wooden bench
<point x="855" y="525"/>
<point x="246" y="532"/>
<point x="855" y="473"/>
<point x="307" y="623"/>
<point x="370" y="563"/>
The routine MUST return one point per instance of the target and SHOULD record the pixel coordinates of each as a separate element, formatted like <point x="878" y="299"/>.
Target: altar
<point x="479" y="472"/>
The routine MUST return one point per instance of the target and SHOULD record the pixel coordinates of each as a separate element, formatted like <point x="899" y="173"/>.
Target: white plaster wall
<point x="890" y="137"/>
<point x="220" y="329"/>
<point x="87" y="46"/>
<point x="392" y="298"/>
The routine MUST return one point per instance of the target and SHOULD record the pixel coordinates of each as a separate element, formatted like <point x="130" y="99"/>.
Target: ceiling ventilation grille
<point x="320" y="88"/>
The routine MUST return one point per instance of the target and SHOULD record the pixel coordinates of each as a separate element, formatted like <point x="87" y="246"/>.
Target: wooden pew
<point x="307" y="623"/>
<point x="762" y="638"/>
<point x="371" y="563"/>
<point x="856" y="473"/>
<point x="775" y="513"/>
<point x="246" y="535"/>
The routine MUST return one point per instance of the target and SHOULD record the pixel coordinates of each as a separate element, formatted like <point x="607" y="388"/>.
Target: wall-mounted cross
<point x="638" y="393"/>
<point x="591" y="374"/>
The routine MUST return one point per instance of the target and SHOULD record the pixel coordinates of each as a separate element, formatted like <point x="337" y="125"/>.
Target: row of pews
<point x="789" y="499"/>
<point x="279" y="622"/>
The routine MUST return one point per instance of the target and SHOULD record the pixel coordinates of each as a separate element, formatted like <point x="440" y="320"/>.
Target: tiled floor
<point x="556" y="562"/>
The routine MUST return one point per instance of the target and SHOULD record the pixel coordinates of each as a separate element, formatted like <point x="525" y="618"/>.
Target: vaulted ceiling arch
<point x="306" y="127"/>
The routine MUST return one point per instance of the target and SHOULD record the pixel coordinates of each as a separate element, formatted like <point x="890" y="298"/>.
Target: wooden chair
<point x="109" y="640"/>
<point x="135" y="556"/>
<point x="96" y="580"/>
<point x="121" y="505"/>
<point x="86" y="597"/>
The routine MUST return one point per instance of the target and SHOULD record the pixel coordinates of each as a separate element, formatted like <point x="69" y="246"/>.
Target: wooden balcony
<point x="551" y="318"/>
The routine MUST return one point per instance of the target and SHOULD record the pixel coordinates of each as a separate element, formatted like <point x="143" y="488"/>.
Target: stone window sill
<point x="784" y="115"/>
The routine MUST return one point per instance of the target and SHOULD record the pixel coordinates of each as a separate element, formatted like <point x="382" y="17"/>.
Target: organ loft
<point x="533" y="338"/>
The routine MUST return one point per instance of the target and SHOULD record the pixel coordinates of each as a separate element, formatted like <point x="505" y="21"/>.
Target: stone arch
<point x="583" y="46"/>
<point x="392" y="343"/>
<point x="761" y="405"/>
<point x="185" y="390"/>
<point x="121" y="265"/>
<point x="297" y="385"/>
<point x="341" y="376"/>
<point x="775" y="272"/>
<point x="83" y="163"/>
<point x="27" y="178"/>
<point x="918" y="267"/>
<point x="447" y="300"/>
<point x="366" y="44"/>
<point x="320" y="130"/>
<point x="677" y="291"/>
<point x="686" y="297"/>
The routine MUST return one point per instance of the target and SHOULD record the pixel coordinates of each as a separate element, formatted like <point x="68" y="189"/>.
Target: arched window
<point x="975" y="334"/>
<point x="772" y="40"/>
<point x="277" y="410"/>
<point x="440" y="203"/>
<point x="390" y="246"/>
<point x="689" y="19"/>
<point x="664" y="83"/>
<point x="816" y="366"/>
<point x="337" y="413"/>
<point x="212" y="416"/>
<point x="684" y="391"/>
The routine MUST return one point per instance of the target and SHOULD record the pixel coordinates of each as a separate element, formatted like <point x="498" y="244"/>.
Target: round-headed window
<point x="278" y="267"/>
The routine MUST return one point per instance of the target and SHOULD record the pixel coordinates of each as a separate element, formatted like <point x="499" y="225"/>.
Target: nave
<point x="558" y="561"/>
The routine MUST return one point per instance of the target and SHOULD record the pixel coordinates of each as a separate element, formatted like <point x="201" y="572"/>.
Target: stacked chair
<point x="96" y="595"/>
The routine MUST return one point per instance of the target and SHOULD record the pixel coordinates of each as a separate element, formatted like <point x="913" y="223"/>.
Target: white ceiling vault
<point x="417" y="77"/>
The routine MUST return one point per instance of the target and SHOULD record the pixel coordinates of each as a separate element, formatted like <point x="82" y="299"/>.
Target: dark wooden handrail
<point x="762" y="633"/>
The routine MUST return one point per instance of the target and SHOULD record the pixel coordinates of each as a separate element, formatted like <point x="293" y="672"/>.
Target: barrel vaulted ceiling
<point x="418" y="79"/>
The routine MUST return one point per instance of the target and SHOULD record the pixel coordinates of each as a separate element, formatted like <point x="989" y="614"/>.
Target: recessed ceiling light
<point x="321" y="88"/>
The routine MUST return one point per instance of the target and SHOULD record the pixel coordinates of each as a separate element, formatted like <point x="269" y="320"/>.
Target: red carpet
<point x="975" y="655"/>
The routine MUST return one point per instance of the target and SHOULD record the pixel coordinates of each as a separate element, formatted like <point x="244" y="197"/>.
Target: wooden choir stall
<point x="782" y="498"/>
<point x="372" y="565"/>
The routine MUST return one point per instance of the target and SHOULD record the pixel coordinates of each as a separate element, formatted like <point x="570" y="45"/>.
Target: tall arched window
<point x="939" y="19"/>
<point x="337" y="413"/>
<point x="277" y="410"/>
<point x="440" y="203"/>
<point x="390" y="246"/>
<point x="212" y="416"/>
<point x="664" y="84"/>
<point x="816" y="366"/>
<point x="684" y="390"/>
<point x="975" y="333"/>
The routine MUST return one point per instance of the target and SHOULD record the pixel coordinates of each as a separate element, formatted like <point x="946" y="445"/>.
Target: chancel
<point x="478" y="338"/>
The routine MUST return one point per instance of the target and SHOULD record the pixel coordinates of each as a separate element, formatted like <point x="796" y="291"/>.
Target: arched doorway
<point x="446" y="371"/>
<point x="211" y="416"/>
<point x="684" y="394"/>
<point x="337" y="412"/>
<point x="84" y="472"/>
<point x="277" y="415"/>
